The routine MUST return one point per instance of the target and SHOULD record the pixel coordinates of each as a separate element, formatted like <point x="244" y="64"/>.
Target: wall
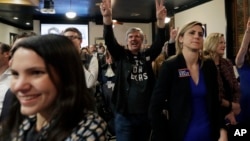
<point x="211" y="13"/>
<point x="5" y="32"/>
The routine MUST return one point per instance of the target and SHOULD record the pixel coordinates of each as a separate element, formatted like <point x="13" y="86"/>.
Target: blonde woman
<point x="214" y="48"/>
<point x="188" y="84"/>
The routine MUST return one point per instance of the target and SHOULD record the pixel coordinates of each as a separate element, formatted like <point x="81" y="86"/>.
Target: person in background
<point x="23" y="35"/>
<point x="101" y="49"/>
<point x="101" y="55"/>
<point x="107" y="83"/>
<point x="101" y="52"/>
<point x="90" y="63"/>
<point x="108" y="73"/>
<point x="84" y="50"/>
<point x="167" y="50"/>
<point x="51" y="101"/>
<point x="134" y="76"/>
<point x="214" y="48"/>
<point x="188" y="85"/>
<point x="8" y="96"/>
<point x="5" y="73"/>
<point x="242" y="62"/>
<point x="93" y="49"/>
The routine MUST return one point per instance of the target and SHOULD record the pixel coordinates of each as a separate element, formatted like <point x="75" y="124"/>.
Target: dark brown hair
<point x="73" y="98"/>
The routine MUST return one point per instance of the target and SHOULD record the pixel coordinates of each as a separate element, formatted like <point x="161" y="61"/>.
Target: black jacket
<point x="6" y="105"/>
<point x="124" y="60"/>
<point x="177" y="91"/>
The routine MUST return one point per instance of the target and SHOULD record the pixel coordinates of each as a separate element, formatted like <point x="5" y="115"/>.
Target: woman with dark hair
<point x="8" y="96"/>
<point x="52" y="101"/>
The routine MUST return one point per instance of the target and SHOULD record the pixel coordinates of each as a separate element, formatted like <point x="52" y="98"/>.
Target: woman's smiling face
<point x="31" y="82"/>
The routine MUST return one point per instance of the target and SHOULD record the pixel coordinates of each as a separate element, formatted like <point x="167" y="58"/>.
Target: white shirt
<point x="91" y="73"/>
<point x="4" y="86"/>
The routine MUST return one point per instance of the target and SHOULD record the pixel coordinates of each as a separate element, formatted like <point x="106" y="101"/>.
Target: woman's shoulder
<point x="175" y="60"/>
<point x="92" y="127"/>
<point x="172" y="59"/>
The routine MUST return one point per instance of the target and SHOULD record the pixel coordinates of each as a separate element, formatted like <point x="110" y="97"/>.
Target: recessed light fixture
<point x="176" y="7"/>
<point x="15" y="18"/>
<point x="27" y="23"/>
<point x="135" y="14"/>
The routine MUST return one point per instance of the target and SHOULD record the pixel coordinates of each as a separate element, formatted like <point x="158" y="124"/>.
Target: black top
<point x="173" y="86"/>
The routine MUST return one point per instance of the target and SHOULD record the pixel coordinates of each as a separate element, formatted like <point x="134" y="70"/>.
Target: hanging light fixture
<point x="70" y="14"/>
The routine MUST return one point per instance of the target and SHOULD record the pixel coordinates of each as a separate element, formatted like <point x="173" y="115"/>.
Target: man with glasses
<point x="90" y="63"/>
<point x="74" y="35"/>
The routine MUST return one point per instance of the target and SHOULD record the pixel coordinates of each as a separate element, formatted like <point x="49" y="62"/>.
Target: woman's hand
<point x="231" y="118"/>
<point x="223" y="135"/>
<point x="173" y="33"/>
<point x="236" y="108"/>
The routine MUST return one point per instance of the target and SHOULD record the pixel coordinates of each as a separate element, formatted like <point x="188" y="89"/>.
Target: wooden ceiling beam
<point x="21" y="2"/>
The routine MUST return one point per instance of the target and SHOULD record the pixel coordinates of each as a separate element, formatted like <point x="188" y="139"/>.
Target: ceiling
<point x="140" y="11"/>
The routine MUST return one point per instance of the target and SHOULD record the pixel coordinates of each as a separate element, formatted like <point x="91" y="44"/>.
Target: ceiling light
<point x="167" y="20"/>
<point x="15" y="18"/>
<point x="27" y="23"/>
<point x="70" y="14"/>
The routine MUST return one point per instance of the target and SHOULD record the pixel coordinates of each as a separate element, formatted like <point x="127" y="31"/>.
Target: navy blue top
<point x="199" y="126"/>
<point x="244" y="73"/>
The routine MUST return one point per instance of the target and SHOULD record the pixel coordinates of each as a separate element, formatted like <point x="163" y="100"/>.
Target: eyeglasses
<point x="73" y="37"/>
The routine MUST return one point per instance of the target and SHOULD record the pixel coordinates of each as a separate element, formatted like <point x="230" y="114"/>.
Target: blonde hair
<point x="210" y="44"/>
<point x="181" y="33"/>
